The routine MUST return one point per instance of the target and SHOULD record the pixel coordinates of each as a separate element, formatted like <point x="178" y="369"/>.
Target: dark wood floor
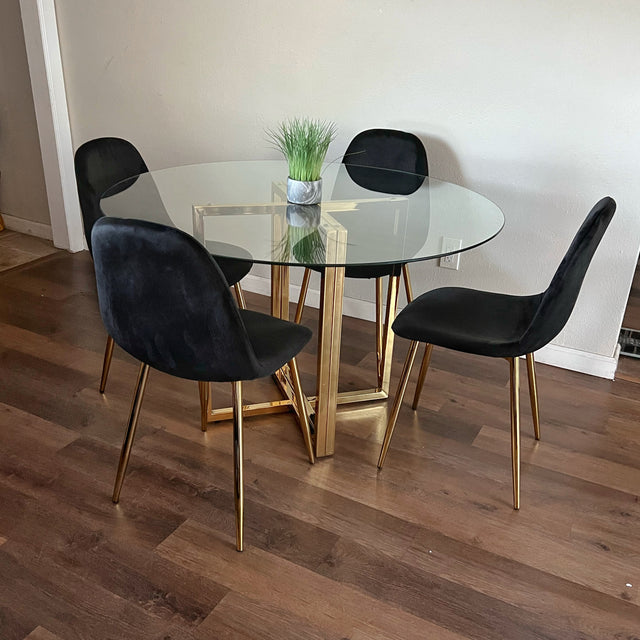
<point x="429" y="548"/>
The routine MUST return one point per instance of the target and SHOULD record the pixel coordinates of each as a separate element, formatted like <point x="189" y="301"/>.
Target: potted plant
<point x="304" y="143"/>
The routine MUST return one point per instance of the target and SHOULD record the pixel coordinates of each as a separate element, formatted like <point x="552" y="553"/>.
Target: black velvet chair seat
<point x="390" y="162"/>
<point x="499" y="325"/>
<point x="112" y="165"/>
<point x="274" y="341"/>
<point x="165" y="301"/>
<point x="489" y="324"/>
<point x="170" y="307"/>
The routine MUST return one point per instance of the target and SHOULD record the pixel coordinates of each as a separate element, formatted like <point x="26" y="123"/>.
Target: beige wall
<point x="22" y="189"/>
<point x="532" y="103"/>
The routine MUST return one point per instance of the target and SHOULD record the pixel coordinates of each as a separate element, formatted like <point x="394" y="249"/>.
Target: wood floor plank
<point x="596" y="469"/>
<point x="238" y="617"/>
<point x="40" y="633"/>
<point x="339" y="609"/>
<point x="22" y="429"/>
<point x="39" y="590"/>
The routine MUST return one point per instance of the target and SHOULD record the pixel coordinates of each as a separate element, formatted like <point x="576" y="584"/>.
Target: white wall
<point x="532" y="103"/>
<point x="23" y="196"/>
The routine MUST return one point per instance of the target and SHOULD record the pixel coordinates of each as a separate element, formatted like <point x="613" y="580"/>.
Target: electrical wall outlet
<point x="451" y="261"/>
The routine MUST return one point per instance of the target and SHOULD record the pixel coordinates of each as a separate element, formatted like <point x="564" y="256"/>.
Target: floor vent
<point x="629" y="342"/>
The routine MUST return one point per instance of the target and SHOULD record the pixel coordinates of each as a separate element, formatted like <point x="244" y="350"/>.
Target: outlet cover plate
<point x="451" y="261"/>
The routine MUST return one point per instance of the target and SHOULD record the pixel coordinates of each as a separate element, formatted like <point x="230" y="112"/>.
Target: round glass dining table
<point x="240" y="210"/>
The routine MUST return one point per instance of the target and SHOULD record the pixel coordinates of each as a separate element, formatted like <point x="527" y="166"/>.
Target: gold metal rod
<point x="303" y="295"/>
<point x="282" y="406"/>
<point x="397" y="401"/>
<point x="387" y="345"/>
<point x="514" y="376"/>
<point x="361" y="395"/>
<point x="533" y="394"/>
<point x="301" y="405"/>
<point x="238" y="492"/>
<point x="258" y="409"/>
<point x="284" y="381"/>
<point x="125" y="453"/>
<point x="280" y="291"/>
<point x="106" y="364"/>
<point x="407" y="282"/>
<point x="329" y="334"/>
<point x="204" y="389"/>
<point x="242" y="303"/>
<point x="379" y="330"/>
<point x="424" y="367"/>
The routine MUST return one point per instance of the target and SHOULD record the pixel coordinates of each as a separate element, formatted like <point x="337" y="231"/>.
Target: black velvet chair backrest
<point x="99" y="165"/>
<point x="557" y="302"/>
<point x="165" y="301"/>
<point x="387" y="149"/>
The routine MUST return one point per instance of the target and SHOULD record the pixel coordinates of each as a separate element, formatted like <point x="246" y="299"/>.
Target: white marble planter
<point x="303" y="192"/>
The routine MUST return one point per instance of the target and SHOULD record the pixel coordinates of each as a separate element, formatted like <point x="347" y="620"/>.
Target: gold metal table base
<point x="282" y="406"/>
<point x="323" y="405"/>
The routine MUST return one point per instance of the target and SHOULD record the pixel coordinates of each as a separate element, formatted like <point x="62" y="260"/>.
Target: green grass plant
<point x="304" y="143"/>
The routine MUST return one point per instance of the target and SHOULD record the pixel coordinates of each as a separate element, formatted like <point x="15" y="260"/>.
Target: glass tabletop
<point x="240" y="210"/>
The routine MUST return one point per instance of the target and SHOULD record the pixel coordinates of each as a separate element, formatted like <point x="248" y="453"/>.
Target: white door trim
<point x="52" y="115"/>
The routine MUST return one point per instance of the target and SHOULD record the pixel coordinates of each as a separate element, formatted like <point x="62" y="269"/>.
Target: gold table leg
<point x="329" y="336"/>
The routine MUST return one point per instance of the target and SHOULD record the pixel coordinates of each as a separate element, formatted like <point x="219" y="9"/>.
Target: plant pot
<point x="303" y="215"/>
<point x="304" y="192"/>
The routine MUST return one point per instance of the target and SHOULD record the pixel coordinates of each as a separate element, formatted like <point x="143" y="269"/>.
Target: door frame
<point x="42" y="44"/>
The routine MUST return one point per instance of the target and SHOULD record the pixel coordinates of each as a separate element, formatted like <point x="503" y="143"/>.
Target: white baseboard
<point x="27" y="227"/>
<point x="557" y="356"/>
<point x="581" y="361"/>
<point x="350" y="306"/>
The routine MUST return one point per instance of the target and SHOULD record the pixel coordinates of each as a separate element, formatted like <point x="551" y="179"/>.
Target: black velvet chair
<point x="166" y="302"/>
<point x="499" y="325"/>
<point x="104" y="162"/>
<point x="382" y="149"/>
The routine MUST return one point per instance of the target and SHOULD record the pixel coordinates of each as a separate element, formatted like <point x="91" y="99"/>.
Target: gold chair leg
<point x="204" y="388"/>
<point x="302" y="408"/>
<point x="379" y="330"/>
<point x="533" y="394"/>
<point x="407" y="282"/>
<point x="108" y="353"/>
<point x="397" y="401"/>
<point x="141" y="384"/>
<point x="238" y="491"/>
<point x="240" y="295"/>
<point x="514" y="376"/>
<point x="424" y="367"/>
<point x="388" y="335"/>
<point x="304" y="287"/>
